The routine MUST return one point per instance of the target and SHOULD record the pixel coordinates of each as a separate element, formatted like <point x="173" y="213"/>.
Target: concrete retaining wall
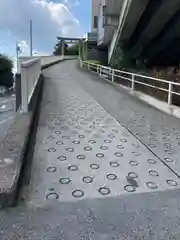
<point x="44" y="59"/>
<point x="13" y="149"/>
<point x="14" y="146"/>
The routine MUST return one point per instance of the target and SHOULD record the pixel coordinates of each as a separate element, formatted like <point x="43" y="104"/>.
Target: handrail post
<point x="62" y="50"/>
<point x="88" y="66"/>
<point x="113" y="75"/>
<point x="100" y="71"/>
<point x="97" y="69"/>
<point x="81" y="63"/>
<point x="170" y="93"/>
<point x="132" y="83"/>
<point x="24" y="90"/>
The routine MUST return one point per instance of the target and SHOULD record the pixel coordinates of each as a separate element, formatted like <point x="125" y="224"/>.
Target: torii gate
<point x="70" y="40"/>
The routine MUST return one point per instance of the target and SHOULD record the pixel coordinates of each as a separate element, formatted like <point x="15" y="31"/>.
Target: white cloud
<point x="71" y="3"/>
<point x="24" y="48"/>
<point x="50" y="20"/>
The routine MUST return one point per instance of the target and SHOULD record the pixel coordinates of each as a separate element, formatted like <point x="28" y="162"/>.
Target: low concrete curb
<point x="56" y="62"/>
<point x="13" y="149"/>
<point x="51" y="64"/>
<point x="153" y="102"/>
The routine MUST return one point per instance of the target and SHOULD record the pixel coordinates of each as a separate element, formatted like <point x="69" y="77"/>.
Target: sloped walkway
<point x="93" y="175"/>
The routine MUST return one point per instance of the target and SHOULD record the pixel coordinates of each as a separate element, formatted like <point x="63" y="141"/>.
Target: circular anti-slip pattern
<point x="172" y="182"/>
<point x="120" y="146"/>
<point x="81" y="157"/>
<point x="99" y="155"/>
<point x="168" y="159"/>
<point x="58" y="132"/>
<point x="51" y="169"/>
<point x="134" y="163"/>
<point x="151" y="161"/>
<point x="87" y="179"/>
<point x="114" y="164"/>
<point x="62" y="158"/>
<point x="64" y="180"/>
<point x="151" y="185"/>
<point x="153" y="173"/>
<point x="73" y="168"/>
<point x="129" y="188"/>
<point x="77" y="193"/>
<point x="91" y="155"/>
<point x="111" y="176"/>
<point x="104" y="147"/>
<point x="76" y="142"/>
<point x="94" y="166"/>
<point x="104" y="191"/>
<point x="50" y="137"/>
<point x="133" y="175"/>
<point x="92" y="141"/>
<point x="52" y="196"/>
<point x="51" y="150"/>
<point x="65" y="137"/>
<point x="59" y="143"/>
<point x="70" y="149"/>
<point x="87" y="149"/>
<point x="123" y="140"/>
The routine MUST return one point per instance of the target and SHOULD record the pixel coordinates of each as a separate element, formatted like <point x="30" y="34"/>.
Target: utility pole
<point x="17" y="57"/>
<point x="62" y="50"/>
<point x="31" y="48"/>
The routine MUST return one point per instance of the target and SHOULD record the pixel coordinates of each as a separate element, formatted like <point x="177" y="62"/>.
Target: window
<point x="95" y="21"/>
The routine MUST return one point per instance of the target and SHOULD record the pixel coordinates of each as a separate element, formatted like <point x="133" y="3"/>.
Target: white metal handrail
<point x="30" y="73"/>
<point x="132" y="77"/>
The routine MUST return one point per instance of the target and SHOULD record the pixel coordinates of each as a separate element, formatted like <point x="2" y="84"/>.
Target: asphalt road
<point x="7" y="114"/>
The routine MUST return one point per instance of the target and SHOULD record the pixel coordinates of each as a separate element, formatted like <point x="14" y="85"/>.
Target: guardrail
<point x="171" y="88"/>
<point x="30" y="73"/>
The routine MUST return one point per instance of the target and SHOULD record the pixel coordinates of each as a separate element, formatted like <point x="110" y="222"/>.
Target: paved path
<point x="91" y="177"/>
<point x="158" y="131"/>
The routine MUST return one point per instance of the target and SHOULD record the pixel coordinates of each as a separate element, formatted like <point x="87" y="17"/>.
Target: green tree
<point x="58" y="48"/>
<point x="6" y="75"/>
<point x="73" y="49"/>
<point x="6" y="64"/>
<point x="68" y="50"/>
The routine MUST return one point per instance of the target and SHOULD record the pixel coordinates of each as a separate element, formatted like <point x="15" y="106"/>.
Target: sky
<point x="50" y="18"/>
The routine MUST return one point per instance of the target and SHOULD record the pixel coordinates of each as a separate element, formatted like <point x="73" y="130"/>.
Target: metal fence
<point x="30" y="73"/>
<point x="132" y="79"/>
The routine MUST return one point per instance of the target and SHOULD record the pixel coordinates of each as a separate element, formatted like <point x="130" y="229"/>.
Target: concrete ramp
<point x="83" y="152"/>
<point x="95" y="173"/>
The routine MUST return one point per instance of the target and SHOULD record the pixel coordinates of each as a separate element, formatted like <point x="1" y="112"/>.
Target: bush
<point x="92" y="67"/>
<point x="93" y="61"/>
<point x="6" y="76"/>
<point x="6" y="64"/>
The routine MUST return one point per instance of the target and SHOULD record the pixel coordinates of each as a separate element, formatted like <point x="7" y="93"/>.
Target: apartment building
<point x="105" y="16"/>
<point x="95" y="14"/>
<point x="105" y="19"/>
